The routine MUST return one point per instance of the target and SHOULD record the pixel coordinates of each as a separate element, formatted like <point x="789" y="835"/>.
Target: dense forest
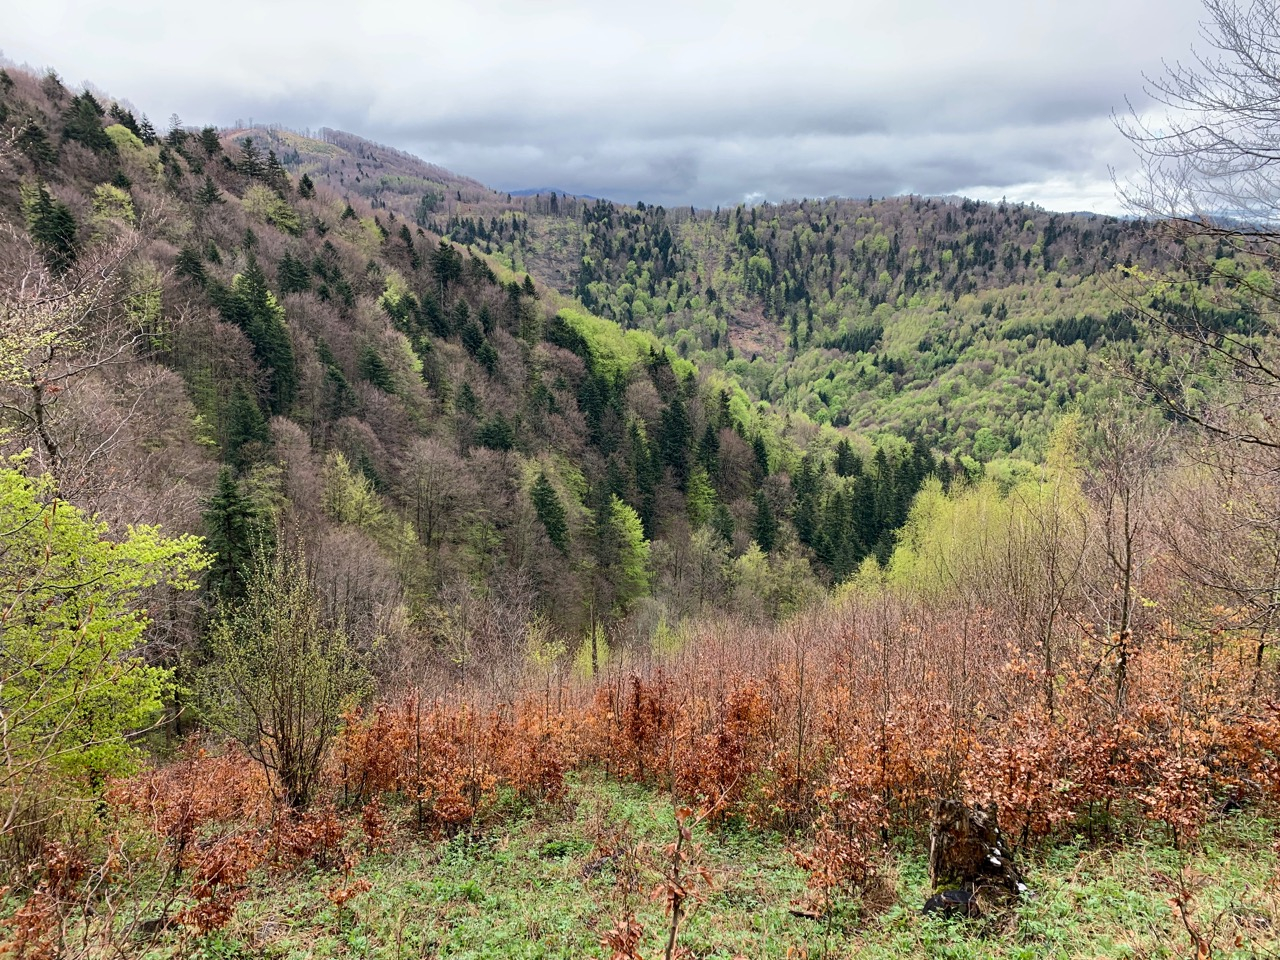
<point x="970" y="325"/>
<point x="396" y="567"/>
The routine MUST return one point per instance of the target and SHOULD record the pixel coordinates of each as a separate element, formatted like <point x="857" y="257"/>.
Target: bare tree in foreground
<point x="1209" y="172"/>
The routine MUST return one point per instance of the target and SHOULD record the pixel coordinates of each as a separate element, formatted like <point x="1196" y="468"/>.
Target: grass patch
<point x="549" y="883"/>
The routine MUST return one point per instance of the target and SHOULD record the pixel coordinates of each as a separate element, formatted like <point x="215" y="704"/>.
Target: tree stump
<point x="969" y="861"/>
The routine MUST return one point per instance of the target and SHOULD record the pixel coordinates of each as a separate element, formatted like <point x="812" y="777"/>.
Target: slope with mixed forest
<point x="518" y="517"/>
<point x="465" y="445"/>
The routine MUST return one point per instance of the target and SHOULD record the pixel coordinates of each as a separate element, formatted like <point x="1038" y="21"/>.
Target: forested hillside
<point x="970" y="325"/>
<point x="469" y="452"/>
<point x="394" y="567"/>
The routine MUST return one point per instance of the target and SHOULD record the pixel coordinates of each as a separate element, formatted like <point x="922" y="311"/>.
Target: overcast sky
<point x="667" y="101"/>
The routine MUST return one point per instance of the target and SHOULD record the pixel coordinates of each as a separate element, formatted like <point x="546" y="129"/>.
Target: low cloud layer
<point x="675" y="103"/>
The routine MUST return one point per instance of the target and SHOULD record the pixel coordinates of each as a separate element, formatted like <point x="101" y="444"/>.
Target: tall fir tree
<point x="551" y="513"/>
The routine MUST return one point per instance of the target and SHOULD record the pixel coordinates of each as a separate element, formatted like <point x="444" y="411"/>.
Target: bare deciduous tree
<point x="1210" y="177"/>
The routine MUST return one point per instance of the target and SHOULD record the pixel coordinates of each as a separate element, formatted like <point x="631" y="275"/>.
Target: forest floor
<point x="550" y="883"/>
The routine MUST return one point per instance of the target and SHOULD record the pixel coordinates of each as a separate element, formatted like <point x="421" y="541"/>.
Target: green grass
<point x="542" y="884"/>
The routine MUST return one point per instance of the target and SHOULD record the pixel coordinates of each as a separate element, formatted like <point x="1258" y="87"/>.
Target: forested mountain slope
<point x="377" y="548"/>
<point x="969" y="324"/>
<point x="471" y="456"/>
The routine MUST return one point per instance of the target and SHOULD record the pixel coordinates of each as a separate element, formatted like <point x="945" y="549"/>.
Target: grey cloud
<point x="700" y="102"/>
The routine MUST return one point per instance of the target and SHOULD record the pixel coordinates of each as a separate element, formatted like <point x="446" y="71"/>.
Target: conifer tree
<point x="208" y="194"/>
<point x="709" y="451"/>
<point x="497" y="433"/>
<point x="765" y="529"/>
<point x="247" y="432"/>
<point x="210" y="141"/>
<point x="251" y="164"/>
<point x="673" y="439"/>
<point x="761" y="453"/>
<point x="847" y="463"/>
<point x="551" y="513"/>
<point x="374" y="369"/>
<point x="294" y="277"/>
<point x="34" y="143"/>
<point x="51" y="225"/>
<point x="306" y="189"/>
<point x="252" y="305"/>
<point x="274" y="173"/>
<point x="234" y="528"/>
<point x="82" y="122"/>
<point x="188" y="264"/>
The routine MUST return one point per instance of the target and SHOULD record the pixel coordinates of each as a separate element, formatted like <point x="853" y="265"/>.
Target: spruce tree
<point x="709" y="451"/>
<point x="34" y="143"/>
<point x="761" y="453"/>
<point x="674" y="437"/>
<point x="497" y="434"/>
<point x="847" y="462"/>
<point x="551" y="513"/>
<point x="765" y="529"/>
<point x="306" y="189"/>
<point x="233" y="528"/>
<point x="51" y="225"/>
<point x="275" y="175"/>
<point x="294" y="277"/>
<point x="82" y="122"/>
<point x="210" y="141"/>
<point x="188" y="264"/>
<point x="374" y="369"/>
<point x="247" y="432"/>
<point x="251" y="164"/>
<point x="209" y="194"/>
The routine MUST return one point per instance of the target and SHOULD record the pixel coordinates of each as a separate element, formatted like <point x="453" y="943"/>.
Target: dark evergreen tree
<point x="52" y="227"/>
<point x="177" y="136"/>
<point x="468" y="402"/>
<point x="275" y="175"/>
<point x="306" y="189"/>
<point x="234" y="528"/>
<point x="446" y="264"/>
<point x="82" y="122"/>
<point x="487" y="357"/>
<point x="722" y="522"/>
<point x="765" y="528"/>
<point x="292" y="274"/>
<point x="34" y="144"/>
<point x="761" y="454"/>
<point x="471" y="336"/>
<point x="551" y="513"/>
<point x="246" y="429"/>
<point x="338" y="399"/>
<point x="709" y="451"/>
<point x="847" y="464"/>
<point x="250" y="305"/>
<point x="189" y="264"/>
<point x="209" y="194"/>
<point x="674" y="437"/>
<point x="210" y="141"/>
<point x="251" y="164"/>
<point x="497" y="434"/>
<point x="374" y="369"/>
